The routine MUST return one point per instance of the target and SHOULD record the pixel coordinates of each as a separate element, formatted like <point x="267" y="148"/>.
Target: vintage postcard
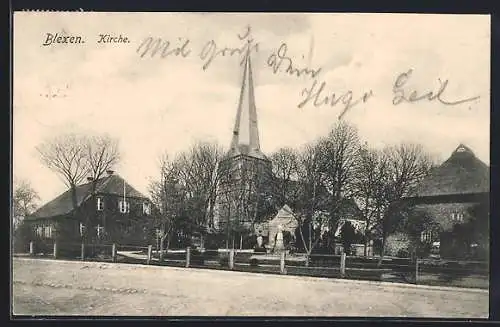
<point x="250" y="164"/>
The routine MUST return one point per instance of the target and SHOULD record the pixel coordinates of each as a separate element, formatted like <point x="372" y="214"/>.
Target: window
<point x="47" y="231"/>
<point x="426" y="236"/>
<point x="124" y="206"/>
<point x="457" y="217"/>
<point x="100" y="204"/>
<point x="146" y="208"/>
<point x="39" y="231"/>
<point x="100" y="231"/>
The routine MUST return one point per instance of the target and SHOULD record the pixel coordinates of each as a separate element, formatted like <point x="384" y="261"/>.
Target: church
<point x="244" y="174"/>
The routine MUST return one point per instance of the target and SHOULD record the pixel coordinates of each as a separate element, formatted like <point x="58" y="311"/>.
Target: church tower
<point x="244" y="174"/>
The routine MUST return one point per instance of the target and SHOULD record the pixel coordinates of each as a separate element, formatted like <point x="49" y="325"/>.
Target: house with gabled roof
<point x="449" y="195"/>
<point x="108" y="209"/>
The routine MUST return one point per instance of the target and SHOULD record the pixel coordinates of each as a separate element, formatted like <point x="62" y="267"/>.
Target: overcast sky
<point x="154" y="105"/>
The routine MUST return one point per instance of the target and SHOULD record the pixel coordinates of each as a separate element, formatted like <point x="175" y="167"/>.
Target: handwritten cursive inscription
<point x="318" y="98"/>
<point x="280" y="60"/>
<point x="210" y="50"/>
<point x="152" y="46"/>
<point x="413" y="96"/>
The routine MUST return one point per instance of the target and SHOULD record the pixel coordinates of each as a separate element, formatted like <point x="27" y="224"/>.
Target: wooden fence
<point x="420" y="271"/>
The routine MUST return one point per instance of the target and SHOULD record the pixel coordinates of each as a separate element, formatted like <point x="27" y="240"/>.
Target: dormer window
<point x="124" y="206"/>
<point x="100" y="204"/>
<point x="146" y="208"/>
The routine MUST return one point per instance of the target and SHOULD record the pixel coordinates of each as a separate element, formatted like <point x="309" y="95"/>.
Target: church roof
<point x="462" y="173"/>
<point x="245" y="139"/>
<point x="63" y="205"/>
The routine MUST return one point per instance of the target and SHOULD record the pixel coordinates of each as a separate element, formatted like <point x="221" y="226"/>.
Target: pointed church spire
<point x="246" y="133"/>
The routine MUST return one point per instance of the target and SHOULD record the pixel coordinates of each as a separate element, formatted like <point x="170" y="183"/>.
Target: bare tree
<point x="338" y="162"/>
<point x="24" y="201"/>
<point x="167" y="195"/>
<point x="187" y="187"/>
<point x="196" y="173"/>
<point x="371" y="176"/>
<point x="75" y="157"/>
<point x="311" y="194"/>
<point x="102" y="153"/>
<point x="285" y="165"/>
<point x="66" y="156"/>
<point x="407" y="165"/>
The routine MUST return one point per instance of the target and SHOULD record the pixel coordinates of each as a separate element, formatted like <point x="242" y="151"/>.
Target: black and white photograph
<point x="250" y="164"/>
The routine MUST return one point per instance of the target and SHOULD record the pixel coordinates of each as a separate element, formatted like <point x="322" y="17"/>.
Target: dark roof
<point x="62" y="205"/>
<point x="348" y="209"/>
<point x="462" y="173"/>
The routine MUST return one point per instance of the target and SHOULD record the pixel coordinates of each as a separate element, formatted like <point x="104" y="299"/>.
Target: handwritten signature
<point x="276" y="60"/>
<point x="401" y="96"/>
<point x="317" y="96"/>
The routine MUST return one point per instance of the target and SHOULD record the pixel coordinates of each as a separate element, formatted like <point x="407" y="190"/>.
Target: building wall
<point x="446" y="213"/>
<point x="455" y="239"/>
<point x="116" y="226"/>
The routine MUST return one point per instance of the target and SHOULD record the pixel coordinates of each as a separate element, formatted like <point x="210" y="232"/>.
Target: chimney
<point x="90" y="179"/>
<point x="110" y="172"/>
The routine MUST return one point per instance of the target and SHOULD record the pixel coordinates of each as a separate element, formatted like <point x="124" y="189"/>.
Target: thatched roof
<point x="462" y="173"/>
<point x="62" y="205"/>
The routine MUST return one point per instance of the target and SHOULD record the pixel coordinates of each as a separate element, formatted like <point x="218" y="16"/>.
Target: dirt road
<point x="50" y="287"/>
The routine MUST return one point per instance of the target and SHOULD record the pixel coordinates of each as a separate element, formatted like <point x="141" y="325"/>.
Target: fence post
<point x="161" y="251"/>
<point x="150" y="249"/>
<point x="113" y="252"/>
<point x="282" y="263"/>
<point x="342" y="264"/>
<point x="188" y="256"/>
<point x="32" y="248"/>
<point x="82" y="252"/>
<point x="416" y="271"/>
<point x="231" y="259"/>
<point x="55" y="249"/>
